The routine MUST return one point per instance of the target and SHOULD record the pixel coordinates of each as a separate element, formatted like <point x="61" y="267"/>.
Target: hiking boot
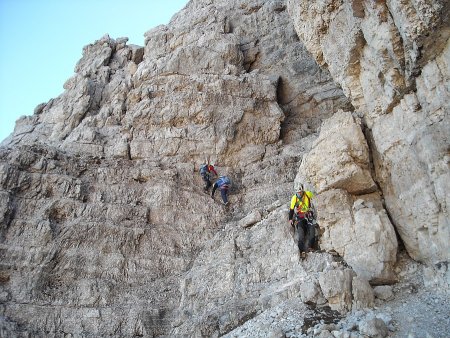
<point x="302" y="255"/>
<point x="225" y="204"/>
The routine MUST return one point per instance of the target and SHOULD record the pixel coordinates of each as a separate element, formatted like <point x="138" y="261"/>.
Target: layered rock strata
<point x="392" y="60"/>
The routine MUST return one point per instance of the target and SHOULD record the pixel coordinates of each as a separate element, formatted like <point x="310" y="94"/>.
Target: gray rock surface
<point x="350" y="211"/>
<point x="104" y="226"/>
<point x="392" y="60"/>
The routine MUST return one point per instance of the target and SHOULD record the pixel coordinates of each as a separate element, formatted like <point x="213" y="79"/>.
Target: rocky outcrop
<point x="339" y="158"/>
<point x="184" y="83"/>
<point x="375" y="50"/>
<point x="391" y="59"/>
<point x="350" y="210"/>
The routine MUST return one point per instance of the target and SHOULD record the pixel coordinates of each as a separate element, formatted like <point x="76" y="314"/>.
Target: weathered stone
<point x="336" y="287"/>
<point x="310" y="292"/>
<point x="371" y="49"/>
<point x="339" y="158"/>
<point x="363" y="236"/>
<point x="363" y="295"/>
<point x="383" y="292"/>
<point x="406" y="140"/>
<point x="250" y="219"/>
<point x="380" y="53"/>
<point x="104" y="225"/>
<point x="374" y="327"/>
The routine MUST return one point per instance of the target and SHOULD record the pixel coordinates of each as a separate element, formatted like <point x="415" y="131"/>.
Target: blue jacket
<point x="223" y="183"/>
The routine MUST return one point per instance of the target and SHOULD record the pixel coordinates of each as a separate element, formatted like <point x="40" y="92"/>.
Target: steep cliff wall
<point x="106" y="231"/>
<point x="104" y="219"/>
<point x="392" y="60"/>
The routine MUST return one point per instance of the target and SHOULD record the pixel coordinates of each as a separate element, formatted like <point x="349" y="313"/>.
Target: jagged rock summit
<point x="104" y="226"/>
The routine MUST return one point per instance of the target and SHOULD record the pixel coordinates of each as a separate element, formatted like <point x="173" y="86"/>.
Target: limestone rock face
<point x="339" y="158"/>
<point x="350" y="211"/>
<point x="375" y="67"/>
<point x="392" y="59"/>
<point x="359" y="229"/>
<point x="105" y="228"/>
<point x="125" y="101"/>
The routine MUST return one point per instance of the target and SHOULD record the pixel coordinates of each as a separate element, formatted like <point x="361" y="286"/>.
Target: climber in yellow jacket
<point x="300" y="212"/>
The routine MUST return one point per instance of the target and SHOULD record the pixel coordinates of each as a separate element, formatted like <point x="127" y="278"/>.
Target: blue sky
<point x="42" y="40"/>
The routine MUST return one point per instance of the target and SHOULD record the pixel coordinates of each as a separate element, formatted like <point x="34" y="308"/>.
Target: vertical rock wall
<point x="105" y="229"/>
<point x="392" y="59"/>
<point x="350" y="209"/>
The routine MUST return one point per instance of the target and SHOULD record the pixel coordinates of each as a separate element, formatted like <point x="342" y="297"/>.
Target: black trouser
<point x="304" y="234"/>
<point x="207" y="181"/>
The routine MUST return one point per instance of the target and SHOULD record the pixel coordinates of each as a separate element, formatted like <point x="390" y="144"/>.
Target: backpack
<point x="223" y="182"/>
<point x="203" y="169"/>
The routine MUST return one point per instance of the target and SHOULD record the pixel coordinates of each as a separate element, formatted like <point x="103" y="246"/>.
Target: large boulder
<point x="359" y="229"/>
<point x="339" y="158"/>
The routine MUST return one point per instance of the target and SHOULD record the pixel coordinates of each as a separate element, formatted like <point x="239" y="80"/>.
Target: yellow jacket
<point x="302" y="205"/>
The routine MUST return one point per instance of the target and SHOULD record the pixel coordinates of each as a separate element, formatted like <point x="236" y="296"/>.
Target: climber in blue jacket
<point x="224" y="184"/>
